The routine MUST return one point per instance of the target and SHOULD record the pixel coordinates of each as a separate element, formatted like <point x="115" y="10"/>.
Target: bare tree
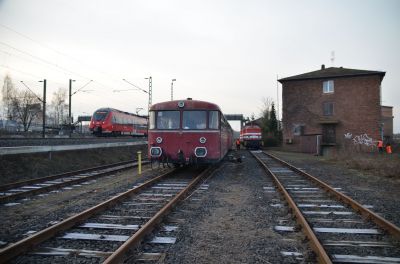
<point x="59" y="107"/>
<point x="8" y="94"/>
<point x="26" y="107"/>
<point x="266" y="106"/>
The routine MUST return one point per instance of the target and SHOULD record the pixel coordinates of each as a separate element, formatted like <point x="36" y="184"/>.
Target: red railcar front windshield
<point x="168" y="119"/>
<point x="100" y="115"/>
<point x="194" y="120"/>
<point x="191" y="119"/>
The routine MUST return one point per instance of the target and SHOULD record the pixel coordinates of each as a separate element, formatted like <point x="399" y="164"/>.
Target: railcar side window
<point x="152" y="121"/>
<point x="194" y="120"/>
<point x="223" y="122"/>
<point x="213" y="120"/>
<point x="168" y="119"/>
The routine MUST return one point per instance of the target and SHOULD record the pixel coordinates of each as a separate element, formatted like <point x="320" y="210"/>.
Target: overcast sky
<point x="227" y="52"/>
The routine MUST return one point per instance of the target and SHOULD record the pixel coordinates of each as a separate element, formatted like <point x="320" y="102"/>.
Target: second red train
<point x="251" y="136"/>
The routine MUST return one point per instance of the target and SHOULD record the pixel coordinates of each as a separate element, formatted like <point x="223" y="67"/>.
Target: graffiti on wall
<point x="363" y="139"/>
<point x="348" y="136"/>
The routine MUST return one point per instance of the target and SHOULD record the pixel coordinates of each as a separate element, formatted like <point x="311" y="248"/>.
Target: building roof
<point x="331" y="72"/>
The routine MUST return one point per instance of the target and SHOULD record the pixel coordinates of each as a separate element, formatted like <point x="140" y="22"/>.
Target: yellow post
<point x="139" y="153"/>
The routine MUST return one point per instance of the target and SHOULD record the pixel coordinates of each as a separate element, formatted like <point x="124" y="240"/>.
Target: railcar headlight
<point x="200" y="152"/>
<point x="203" y="140"/>
<point x="155" y="151"/>
<point x="159" y="140"/>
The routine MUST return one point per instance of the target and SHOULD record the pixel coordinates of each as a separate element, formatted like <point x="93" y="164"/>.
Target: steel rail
<point x="322" y="255"/>
<point x="63" y="184"/>
<point x="60" y="175"/>
<point x="28" y="243"/>
<point x="118" y="255"/>
<point x="365" y="212"/>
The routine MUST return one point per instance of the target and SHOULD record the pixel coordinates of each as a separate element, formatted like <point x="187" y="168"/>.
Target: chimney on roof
<point x="323" y="67"/>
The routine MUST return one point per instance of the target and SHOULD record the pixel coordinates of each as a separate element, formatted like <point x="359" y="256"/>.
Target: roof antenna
<point x="332" y="58"/>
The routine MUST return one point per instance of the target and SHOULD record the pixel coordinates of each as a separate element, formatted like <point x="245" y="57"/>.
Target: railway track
<point x="28" y="188"/>
<point x="108" y="230"/>
<point x="339" y="229"/>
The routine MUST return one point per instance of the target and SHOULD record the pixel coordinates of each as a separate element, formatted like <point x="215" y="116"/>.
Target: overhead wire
<point x="50" y="63"/>
<point x="60" y="53"/>
<point x="42" y="60"/>
<point x="26" y="73"/>
<point x="54" y="64"/>
<point x="26" y="59"/>
<point x="32" y="91"/>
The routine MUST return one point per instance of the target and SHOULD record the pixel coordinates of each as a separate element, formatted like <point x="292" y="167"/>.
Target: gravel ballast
<point x="232" y="221"/>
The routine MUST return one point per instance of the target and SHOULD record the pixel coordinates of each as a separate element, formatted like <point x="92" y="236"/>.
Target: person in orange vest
<point x="388" y="148"/>
<point x="380" y="146"/>
<point x="237" y="144"/>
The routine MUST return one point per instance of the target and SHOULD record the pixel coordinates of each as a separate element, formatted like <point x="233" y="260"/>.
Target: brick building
<point x="387" y="122"/>
<point x="319" y="108"/>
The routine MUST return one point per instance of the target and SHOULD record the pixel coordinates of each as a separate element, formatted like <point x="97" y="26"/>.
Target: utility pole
<point x="150" y="94"/>
<point x="44" y="108"/>
<point x="172" y="89"/>
<point x="69" y="101"/>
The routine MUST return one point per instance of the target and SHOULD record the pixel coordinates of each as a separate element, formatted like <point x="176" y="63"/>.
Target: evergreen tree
<point x="272" y="122"/>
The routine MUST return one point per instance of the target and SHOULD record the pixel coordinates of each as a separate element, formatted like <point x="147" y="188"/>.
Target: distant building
<point x="320" y="109"/>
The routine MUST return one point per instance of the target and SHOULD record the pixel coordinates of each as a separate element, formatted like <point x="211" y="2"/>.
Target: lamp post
<point x="172" y="89"/>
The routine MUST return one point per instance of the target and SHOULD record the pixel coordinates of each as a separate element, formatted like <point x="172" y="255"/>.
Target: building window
<point x="328" y="108"/>
<point x="328" y="87"/>
<point x="298" y="130"/>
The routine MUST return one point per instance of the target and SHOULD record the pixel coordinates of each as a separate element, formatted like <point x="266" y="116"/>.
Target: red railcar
<point x="250" y="136"/>
<point x="188" y="132"/>
<point x="109" y="121"/>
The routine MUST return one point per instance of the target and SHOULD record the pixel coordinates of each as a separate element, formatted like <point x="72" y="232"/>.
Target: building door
<point x="328" y="133"/>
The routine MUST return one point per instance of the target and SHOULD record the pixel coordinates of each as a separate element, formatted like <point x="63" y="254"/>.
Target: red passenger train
<point x="109" y="121"/>
<point x="188" y="132"/>
<point x="250" y="136"/>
